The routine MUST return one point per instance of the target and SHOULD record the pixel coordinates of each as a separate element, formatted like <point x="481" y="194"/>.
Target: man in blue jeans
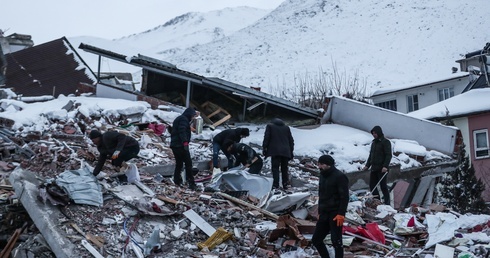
<point x="333" y="193"/>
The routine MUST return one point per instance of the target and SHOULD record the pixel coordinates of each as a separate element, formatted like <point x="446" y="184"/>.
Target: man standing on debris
<point x="118" y="146"/>
<point x="379" y="162"/>
<point x="246" y="156"/>
<point x="279" y="145"/>
<point x="333" y="194"/>
<point x="179" y="143"/>
<point x="234" y="135"/>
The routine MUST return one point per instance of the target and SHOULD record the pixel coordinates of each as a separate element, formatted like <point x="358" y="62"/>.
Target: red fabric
<point x="365" y="233"/>
<point x="186" y="144"/>
<point x="411" y="222"/>
<point x="376" y="232"/>
<point x="158" y="129"/>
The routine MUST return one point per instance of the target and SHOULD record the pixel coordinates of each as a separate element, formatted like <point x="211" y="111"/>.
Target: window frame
<point x="411" y="104"/>
<point x="390" y="105"/>
<point x="480" y="149"/>
<point x="442" y="93"/>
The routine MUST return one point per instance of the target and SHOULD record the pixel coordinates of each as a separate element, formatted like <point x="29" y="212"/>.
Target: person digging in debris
<point x="279" y="145"/>
<point x="333" y="193"/>
<point x="118" y="146"/>
<point x="246" y="156"/>
<point x="379" y="161"/>
<point x="234" y="135"/>
<point x="179" y="143"/>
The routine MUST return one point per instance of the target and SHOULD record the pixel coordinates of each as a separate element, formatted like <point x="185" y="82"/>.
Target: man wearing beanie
<point x="118" y="146"/>
<point x="379" y="161"/>
<point x="333" y="193"/>
<point x="233" y="135"/>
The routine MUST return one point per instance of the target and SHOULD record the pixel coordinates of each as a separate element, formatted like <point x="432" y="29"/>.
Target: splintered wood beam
<point x="236" y="200"/>
<point x="11" y="243"/>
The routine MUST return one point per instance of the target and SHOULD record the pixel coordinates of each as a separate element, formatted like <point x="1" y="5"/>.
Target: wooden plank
<point x="11" y="243"/>
<point x="91" y="249"/>
<point x="95" y="240"/>
<point x="215" y="113"/>
<point x="236" y="200"/>
<point x="222" y="120"/>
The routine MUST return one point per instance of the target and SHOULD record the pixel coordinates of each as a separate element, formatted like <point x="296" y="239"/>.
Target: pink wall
<point x="482" y="165"/>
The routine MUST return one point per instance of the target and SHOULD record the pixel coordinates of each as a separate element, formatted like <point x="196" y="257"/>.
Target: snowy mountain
<point x="193" y="29"/>
<point x="387" y="42"/>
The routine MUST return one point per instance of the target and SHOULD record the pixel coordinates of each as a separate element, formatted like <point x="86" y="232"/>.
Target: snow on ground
<point x="348" y="146"/>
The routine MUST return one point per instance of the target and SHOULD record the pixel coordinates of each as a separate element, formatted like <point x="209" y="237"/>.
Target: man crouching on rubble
<point x="333" y="193"/>
<point x="117" y="145"/>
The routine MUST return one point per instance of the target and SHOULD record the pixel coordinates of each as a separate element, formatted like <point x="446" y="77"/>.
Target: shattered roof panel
<point x="171" y="70"/>
<point x="52" y="68"/>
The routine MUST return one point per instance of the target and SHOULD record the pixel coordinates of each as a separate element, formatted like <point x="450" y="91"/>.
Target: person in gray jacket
<point x="279" y="145"/>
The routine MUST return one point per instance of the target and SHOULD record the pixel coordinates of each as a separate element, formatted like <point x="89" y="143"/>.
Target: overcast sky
<point x="47" y="20"/>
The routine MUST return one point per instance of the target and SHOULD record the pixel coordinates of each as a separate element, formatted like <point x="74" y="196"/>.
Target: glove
<point x="115" y="155"/>
<point x="340" y="220"/>
<point x="186" y="146"/>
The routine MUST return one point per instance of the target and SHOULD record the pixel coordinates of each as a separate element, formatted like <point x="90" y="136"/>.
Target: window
<point x="391" y="105"/>
<point x="446" y="93"/>
<point x="481" y="143"/>
<point x="413" y="102"/>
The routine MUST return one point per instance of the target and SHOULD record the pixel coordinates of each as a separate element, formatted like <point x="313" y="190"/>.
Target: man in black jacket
<point x="333" y="193"/>
<point x="279" y="145"/>
<point x="234" y="135"/>
<point x="179" y="143"/>
<point x="118" y="146"/>
<point x="379" y="160"/>
<point x="245" y="155"/>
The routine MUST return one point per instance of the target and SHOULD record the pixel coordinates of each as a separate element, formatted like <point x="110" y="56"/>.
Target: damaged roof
<point x="52" y="68"/>
<point x="168" y="69"/>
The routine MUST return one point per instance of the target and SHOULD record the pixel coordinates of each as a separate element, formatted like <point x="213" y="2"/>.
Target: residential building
<point x="470" y="112"/>
<point x="410" y="98"/>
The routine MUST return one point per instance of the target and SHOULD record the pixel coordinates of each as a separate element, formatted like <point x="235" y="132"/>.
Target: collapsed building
<point x="235" y="218"/>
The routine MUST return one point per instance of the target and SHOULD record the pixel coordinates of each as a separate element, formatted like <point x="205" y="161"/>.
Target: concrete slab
<point x="422" y="189"/>
<point x="44" y="215"/>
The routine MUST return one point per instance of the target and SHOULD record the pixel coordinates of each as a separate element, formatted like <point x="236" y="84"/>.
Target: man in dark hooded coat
<point x="279" y="145"/>
<point x="179" y="143"/>
<point x="379" y="162"/>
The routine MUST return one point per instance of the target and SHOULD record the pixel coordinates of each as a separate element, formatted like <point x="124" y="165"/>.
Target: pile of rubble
<point x="233" y="215"/>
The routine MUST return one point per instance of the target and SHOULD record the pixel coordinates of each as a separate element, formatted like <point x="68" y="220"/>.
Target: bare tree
<point x="311" y="89"/>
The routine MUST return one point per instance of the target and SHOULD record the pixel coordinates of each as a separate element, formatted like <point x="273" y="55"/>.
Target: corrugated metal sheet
<point x="52" y="68"/>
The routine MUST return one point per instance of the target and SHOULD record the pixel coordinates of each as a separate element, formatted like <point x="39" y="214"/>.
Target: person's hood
<point x="189" y="113"/>
<point x="377" y="129"/>
<point x="277" y="121"/>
